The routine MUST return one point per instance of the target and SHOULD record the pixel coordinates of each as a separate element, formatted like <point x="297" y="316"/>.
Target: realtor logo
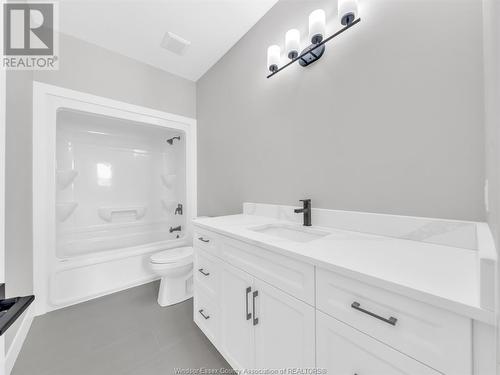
<point x="29" y="40"/>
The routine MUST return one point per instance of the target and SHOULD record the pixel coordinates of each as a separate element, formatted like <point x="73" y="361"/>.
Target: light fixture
<point x="317" y="26"/>
<point x="292" y="43"/>
<point x="348" y="11"/>
<point x="273" y="57"/>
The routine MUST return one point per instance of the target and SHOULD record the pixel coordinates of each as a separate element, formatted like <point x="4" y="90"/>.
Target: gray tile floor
<point x="125" y="333"/>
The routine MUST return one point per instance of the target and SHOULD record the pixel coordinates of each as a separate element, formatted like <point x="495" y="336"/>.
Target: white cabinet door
<point x="284" y="331"/>
<point x="237" y="331"/>
<point x="343" y="350"/>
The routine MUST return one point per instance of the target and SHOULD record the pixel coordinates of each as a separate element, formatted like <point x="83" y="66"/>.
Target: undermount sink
<point x="290" y="232"/>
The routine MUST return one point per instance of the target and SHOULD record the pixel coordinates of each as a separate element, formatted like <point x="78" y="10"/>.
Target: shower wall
<point x="119" y="184"/>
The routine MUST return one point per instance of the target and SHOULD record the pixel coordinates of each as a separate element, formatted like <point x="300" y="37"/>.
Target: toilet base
<point x="173" y="290"/>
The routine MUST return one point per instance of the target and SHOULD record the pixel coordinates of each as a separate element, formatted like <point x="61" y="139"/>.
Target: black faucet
<point x="306" y="211"/>
<point x="176" y="229"/>
<point x="178" y="210"/>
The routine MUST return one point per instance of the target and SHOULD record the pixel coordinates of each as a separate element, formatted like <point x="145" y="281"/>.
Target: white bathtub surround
<point x="65" y="177"/>
<point x="434" y="292"/>
<point x="108" y="185"/>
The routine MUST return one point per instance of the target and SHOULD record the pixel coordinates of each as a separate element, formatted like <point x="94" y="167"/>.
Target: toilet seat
<point x="175" y="268"/>
<point x="178" y="255"/>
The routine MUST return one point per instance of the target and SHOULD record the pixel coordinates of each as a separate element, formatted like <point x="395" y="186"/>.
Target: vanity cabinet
<point x="252" y="323"/>
<point x="262" y="309"/>
<point x="263" y="327"/>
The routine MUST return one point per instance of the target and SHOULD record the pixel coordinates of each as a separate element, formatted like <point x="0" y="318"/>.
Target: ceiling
<point x="135" y="28"/>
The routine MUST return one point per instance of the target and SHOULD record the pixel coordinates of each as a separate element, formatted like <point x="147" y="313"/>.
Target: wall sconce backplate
<point x="311" y="54"/>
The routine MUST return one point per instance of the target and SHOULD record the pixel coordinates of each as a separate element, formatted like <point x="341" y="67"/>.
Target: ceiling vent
<point x="175" y="44"/>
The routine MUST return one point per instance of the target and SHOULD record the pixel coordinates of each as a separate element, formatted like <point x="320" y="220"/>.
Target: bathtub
<point x="115" y="183"/>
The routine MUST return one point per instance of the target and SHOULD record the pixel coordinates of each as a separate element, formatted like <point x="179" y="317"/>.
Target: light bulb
<point x="317" y="22"/>
<point x="292" y="42"/>
<point x="348" y="11"/>
<point x="273" y="57"/>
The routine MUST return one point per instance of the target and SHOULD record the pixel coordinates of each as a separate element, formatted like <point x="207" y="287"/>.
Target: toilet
<point x="175" y="267"/>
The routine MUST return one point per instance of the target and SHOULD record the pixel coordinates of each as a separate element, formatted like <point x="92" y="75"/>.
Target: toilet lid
<point x="173" y="255"/>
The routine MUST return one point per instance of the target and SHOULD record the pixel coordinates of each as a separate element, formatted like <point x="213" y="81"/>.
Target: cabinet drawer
<point x="285" y="273"/>
<point x="205" y="240"/>
<point x="206" y="316"/>
<point x="206" y="273"/>
<point x="344" y="350"/>
<point x="433" y="336"/>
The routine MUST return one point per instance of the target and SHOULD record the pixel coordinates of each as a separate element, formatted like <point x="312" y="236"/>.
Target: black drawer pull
<point x="255" y="319"/>
<point x="249" y="314"/>
<point x="202" y="271"/>
<point x="203" y="315"/>
<point x="392" y="320"/>
<point x="203" y="240"/>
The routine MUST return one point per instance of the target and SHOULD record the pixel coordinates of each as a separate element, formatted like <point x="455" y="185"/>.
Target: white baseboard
<point x="17" y="343"/>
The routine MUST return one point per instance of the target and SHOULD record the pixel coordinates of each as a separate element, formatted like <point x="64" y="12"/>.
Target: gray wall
<point x="84" y="67"/>
<point x="18" y="187"/>
<point x="390" y="120"/>
<point x="95" y="70"/>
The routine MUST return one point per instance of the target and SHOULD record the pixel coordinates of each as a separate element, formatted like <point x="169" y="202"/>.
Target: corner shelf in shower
<point x="131" y="212"/>
<point x="168" y="180"/>
<point x="65" y="177"/>
<point x="64" y="210"/>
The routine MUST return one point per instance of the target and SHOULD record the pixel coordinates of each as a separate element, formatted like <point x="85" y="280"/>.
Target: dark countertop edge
<point x="14" y="313"/>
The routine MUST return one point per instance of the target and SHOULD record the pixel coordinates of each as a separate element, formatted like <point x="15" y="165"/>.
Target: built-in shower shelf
<point x="64" y="210"/>
<point x="168" y="180"/>
<point x="111" y="214"/>
<point x="65" y="177"/>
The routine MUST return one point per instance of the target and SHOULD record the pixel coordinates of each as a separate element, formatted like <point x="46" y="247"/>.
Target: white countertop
<point x="444" y="276"/>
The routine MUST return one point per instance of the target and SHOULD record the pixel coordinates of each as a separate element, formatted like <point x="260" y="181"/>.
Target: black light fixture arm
<point x="313" y="47"/>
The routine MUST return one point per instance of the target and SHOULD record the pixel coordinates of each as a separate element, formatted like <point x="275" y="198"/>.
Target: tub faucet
<point x="306" y="211"/>
<point x="175" y="229"/>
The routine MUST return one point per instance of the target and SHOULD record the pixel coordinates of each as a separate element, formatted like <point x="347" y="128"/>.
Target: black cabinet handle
<point x="203" y="315"/>
<point x="249" y="314"/>
<point x="357" y="306"/>
<point x="203" y="240"/>
<point x="254" y="296"/>
<point x="203" y="272"/>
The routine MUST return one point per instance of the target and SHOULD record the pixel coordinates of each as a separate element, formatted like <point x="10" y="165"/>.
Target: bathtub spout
<point x="175" y="229"/>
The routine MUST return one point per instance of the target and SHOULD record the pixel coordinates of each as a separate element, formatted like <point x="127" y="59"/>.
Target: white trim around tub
<point x="47" y="99"/>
